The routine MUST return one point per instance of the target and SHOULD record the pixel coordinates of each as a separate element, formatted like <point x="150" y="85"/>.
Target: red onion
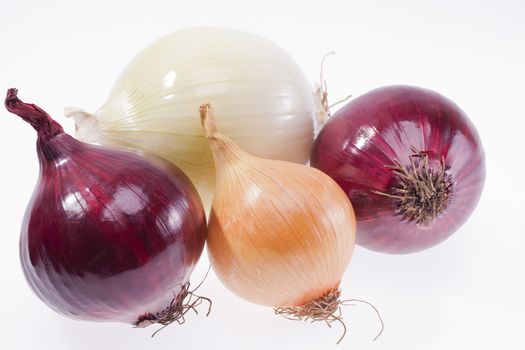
<point x="410" y="161"/>
<point x="109" y="235"/>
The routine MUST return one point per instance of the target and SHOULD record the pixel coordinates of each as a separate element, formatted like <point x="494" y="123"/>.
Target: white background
<point x="467" y="292"/>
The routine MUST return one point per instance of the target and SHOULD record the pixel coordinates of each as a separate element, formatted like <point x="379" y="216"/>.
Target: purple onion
<point x="109" y="235"/>
<point x="410" y="161"/>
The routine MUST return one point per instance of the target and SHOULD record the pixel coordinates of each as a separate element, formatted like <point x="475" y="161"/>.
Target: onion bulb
<point x="411" y="162"/>
<point x="109" y="235"/>
<point x="280" y="234"/>
<point x="265" y="101"/>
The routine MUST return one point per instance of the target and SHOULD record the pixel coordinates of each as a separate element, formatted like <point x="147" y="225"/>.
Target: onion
<point x="410" y="161"/>
<point x="264" y="98"/>
<point x="280" y="234"/>
<point x="108" y="235"/>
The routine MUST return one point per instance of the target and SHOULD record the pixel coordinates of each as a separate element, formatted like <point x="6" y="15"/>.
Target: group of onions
<point x="114" y="230"/>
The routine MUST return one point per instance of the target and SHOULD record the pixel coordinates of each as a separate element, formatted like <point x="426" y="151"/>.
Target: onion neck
<point x="323" y="112"/>
<point x="53" y="150"/>
<point x="87" y="126"/>
<point x="41" y="121"/>
<point x="420" y="192"/>
<point x="53" y="145"/>
<point x="225" y="150"/>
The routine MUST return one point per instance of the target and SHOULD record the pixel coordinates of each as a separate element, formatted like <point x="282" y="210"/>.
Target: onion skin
<point x="280" y="234"/>
<point x="109" y="235"/>
<point x="370" y="133"/>
<point x="265" y="99"/>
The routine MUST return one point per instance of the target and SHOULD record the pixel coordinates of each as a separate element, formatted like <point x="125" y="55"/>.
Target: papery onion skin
<point x="373" y="131"/>
<point x="109" y="235"/>
<point x="280" y="234"/>
<point x="265" y="101"/>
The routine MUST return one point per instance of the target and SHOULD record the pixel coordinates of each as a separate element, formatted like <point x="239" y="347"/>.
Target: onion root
<point x="327" y="309"/>
<point x="420" y="193"/>
<point x="185" y="301"/>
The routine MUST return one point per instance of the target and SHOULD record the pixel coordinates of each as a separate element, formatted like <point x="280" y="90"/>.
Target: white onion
<point x="263" y="101"/>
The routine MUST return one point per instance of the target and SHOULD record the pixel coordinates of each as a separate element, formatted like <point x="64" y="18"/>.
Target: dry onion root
<point x="280" y="234"/>
<point x="176" y="311"/>
<point x="326" y="309"/>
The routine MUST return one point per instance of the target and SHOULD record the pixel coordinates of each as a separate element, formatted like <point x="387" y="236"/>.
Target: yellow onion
<point x="280" y="234"/>
<point x="265" y="101"/>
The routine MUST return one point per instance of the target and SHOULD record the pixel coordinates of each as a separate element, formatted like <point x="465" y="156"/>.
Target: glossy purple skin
<point x="109" y="235"/>
<point x="372" y="131"/>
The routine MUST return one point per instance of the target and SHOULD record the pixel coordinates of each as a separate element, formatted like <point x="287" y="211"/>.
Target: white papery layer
<point x="261" y="97"/>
